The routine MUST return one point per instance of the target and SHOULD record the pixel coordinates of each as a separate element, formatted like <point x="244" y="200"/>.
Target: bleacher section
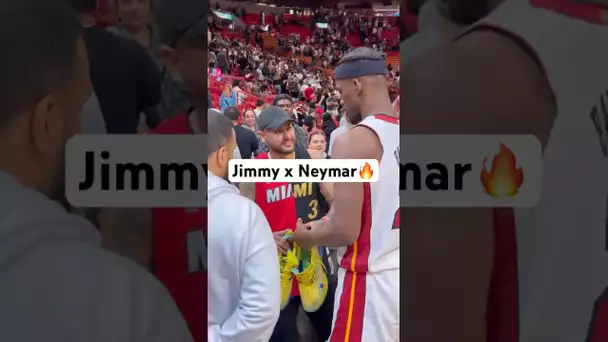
<point x="393" y="59"/>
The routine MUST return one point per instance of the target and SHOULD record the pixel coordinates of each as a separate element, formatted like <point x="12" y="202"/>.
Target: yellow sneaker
<point x="286" y="263"/>
<point x="312" y="279"/>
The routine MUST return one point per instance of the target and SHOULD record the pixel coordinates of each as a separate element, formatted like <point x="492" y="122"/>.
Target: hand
<point x="282" y="245"/>
<point x="303" y="234"/>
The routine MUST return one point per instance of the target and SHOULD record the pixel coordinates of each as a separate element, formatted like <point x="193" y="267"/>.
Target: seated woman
<point x="228" y="98"/>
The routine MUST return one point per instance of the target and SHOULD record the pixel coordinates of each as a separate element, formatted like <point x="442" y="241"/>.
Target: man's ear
<point x="47" y="125"/>
<point x="262" y="136"/>
<point x="170" y="58"/>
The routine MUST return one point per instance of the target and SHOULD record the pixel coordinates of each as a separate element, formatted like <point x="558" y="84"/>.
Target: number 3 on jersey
<point x="314" y="209"/>
<point x="397" y="219"/>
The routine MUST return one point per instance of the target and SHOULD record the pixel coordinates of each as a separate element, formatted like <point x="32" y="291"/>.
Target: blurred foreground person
<point x="171" y="242"/>
<point x="527" y="274"/>
<point x="56" y="282"/>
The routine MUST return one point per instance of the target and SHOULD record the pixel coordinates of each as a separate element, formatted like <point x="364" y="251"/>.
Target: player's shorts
<point x="366" y="307"/>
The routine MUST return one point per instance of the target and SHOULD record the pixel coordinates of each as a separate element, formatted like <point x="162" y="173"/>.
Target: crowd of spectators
<point x="250" y="79"/>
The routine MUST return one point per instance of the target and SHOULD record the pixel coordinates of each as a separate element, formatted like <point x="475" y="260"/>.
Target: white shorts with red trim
<point x="366" y="307"/>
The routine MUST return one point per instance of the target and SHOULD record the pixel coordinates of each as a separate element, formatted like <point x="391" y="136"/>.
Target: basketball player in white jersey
<point x="526" y="275"/>
<point x="363" y="218"/>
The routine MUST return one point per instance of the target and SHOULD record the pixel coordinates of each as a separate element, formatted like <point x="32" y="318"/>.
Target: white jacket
<point x="58" y="285"/>
<point x="244" y="282"/>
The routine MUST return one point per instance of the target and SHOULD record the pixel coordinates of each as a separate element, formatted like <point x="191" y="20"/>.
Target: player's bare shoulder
<point x="488" y="83"/>
<point x="358" y="143"/>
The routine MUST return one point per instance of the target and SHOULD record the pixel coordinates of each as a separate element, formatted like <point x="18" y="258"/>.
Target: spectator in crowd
<point x="240" y="95"/>
<point x="329" y="125"/>
<point x="249" y="121"/>
<point x="259" y="106"/>
<point x="222" y="60"/>
<point x="317" y="144"/>
<point x="246" y="140"/>
<point x="308" y="123"/>
<point x="286" y="103"/>
<point x="214" y="71"/>
<point x="228" y="97"/>
<point x="267" y="74"/>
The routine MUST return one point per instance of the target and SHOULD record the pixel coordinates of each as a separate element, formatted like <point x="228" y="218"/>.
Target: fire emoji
<point x="366" y="171"/>
<point x="504" y="178"/>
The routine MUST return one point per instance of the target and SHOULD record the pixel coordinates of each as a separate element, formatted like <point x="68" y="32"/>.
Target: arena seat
<point x="392" y="57"/>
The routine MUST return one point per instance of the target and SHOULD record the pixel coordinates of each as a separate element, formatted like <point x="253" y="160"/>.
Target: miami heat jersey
<point x="560" y="277"/>
<point x="377" y="248"/>
<point x="284" y="203"/>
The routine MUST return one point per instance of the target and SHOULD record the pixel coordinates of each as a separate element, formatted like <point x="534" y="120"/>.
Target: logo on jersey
<point x="504" y="177"/>
<point x="284" y="191"/>
<point x="366" y="171"/>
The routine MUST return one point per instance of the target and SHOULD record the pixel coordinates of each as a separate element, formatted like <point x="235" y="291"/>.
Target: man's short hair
<point x="40" y="39"/>
<point x="232" y="113"/>
<point x="220" y="130"/>
<point x="281" y="98"/>
<point x="259" y="102"/>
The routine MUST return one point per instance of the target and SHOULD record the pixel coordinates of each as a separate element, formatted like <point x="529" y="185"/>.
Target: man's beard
<point x="278" y="150"/>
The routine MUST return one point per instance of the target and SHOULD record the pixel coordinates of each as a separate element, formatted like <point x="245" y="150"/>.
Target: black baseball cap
<point x="232" y="113"/>
<point x="282" y="97"/>
<point x="273" y="118"/>
<point x="181" y="20"/>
